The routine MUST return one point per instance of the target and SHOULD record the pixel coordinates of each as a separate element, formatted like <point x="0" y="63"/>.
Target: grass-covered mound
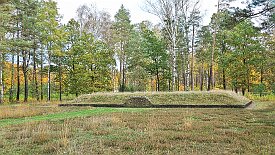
<point x="194" y="97"/>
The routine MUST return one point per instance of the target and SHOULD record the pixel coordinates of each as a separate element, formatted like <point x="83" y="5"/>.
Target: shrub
<point x="273" y="88"/>
<point x="260" y="89"/>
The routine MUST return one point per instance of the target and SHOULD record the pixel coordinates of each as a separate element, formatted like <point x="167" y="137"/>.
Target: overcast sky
<point x="67" y="8"/>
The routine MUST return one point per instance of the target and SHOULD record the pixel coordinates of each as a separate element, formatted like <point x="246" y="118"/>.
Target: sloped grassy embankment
<point x="188" y="98"/>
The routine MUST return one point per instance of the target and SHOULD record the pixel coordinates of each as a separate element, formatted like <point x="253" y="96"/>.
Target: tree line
<point x="41" y="58"/>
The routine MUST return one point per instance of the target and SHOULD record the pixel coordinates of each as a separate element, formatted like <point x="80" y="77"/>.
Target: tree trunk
<point x="188" y="76"/>
<point x="169" y="85"/>
<point x="178" y="82"/>
<point x="41" y="75"/>
<point x="262" y="72"/>
<point x="60" y="82"/>
<point x="114" y="79"/>
<point x="12" y="79"/>
<point x="212" y="74"/>
<point x="197" y="79"/>
<point x="169" y="81"/>
<point x="248" y="80"/>
<point x="186" y="29"/>
<point x="120" y="75"/>
<point x="49" y="78"/>
<point x="123" y="74"/>
<point x="243" y="91"/>
<point x="209" y="79"/>
<point x="223" y="78"/>
<point x="18" y="78"/>
<point x="183" y="71"/>
<point x="192" y="59"/>
<point x="26" y="88"/>
<point x="184" y="80"/>
<point x="174" y="64"/>
<point x="202" y="77"/>
<point x="1" y="78"/>
<point x="18" y="63"/>
<point x="35" y="75"/>
<point x="223" y="68"/>
<point x="174" y="45"/>
<point x="158" y="85"/>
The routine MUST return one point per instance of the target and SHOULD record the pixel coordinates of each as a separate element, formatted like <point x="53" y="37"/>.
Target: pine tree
<point x="123" y="29"/>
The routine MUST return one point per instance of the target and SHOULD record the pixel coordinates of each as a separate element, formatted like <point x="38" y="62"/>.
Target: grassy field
<point x="196" y="97"/>
<point x="78" y="130"/>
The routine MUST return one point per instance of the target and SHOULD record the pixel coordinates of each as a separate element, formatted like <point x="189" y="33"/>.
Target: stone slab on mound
<point x="138" y="101"/>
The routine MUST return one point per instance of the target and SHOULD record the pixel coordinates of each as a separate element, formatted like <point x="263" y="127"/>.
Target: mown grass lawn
<point x="139" y="131"/>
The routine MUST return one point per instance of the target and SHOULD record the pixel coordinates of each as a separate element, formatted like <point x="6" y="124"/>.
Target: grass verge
<point x="64" y="115"/>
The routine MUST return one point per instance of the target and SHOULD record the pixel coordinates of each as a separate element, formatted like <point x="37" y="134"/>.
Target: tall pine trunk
<point x="192" y="59"/>
<point x="174" y="63"/>
<point x="41" y="75"/>
<point x="35" y="75"/>
<point x="120" y="76"/>
<point x="186" y="64"/>
<point x="248" y="80"/>
<point x="212" y="74"/>
<point x="201" y="77"/>
<point x="124" y="73"/>
<point x="262" y="73"/>
<point x="18" y="78"/>
<point x="158" y="84"/>
<point x="197" y="79"/>
<point x="209" y="79"/>
<point x="60" y="81"/>
<point x="223" y="78"/>
<point x="121" y="68"/>
<point x="1" y="78"/>
<point x="18" y="63"/>
<point x="223" y="67"/>
<point x="183" y="71"/>
<point x="184" y="80"/>
<point x="26" y="90"/>
<point x="12" y="79"/>
<point x="25" y="73"/>
<point x="49" y="78"/>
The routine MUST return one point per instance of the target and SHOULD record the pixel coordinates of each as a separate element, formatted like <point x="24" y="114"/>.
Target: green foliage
<point x="82" y="58"/>
<point x="273" y="88"/>
<point x="243" y="38"/>
<point x="203" y="54"/>
<point x="85" y="73"/>
<point x="123" y="30"/>
<point x="260" y="89"/>
<point x="156" y="55"/>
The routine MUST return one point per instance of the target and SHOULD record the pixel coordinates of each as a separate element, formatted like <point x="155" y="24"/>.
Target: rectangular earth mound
<point x="213" y="99"/>
<point x="158" y="106"/>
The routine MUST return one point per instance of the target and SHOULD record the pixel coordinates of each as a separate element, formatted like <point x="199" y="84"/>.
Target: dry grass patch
<point x="21" y="110"/>
<point x="158" y="131"/>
